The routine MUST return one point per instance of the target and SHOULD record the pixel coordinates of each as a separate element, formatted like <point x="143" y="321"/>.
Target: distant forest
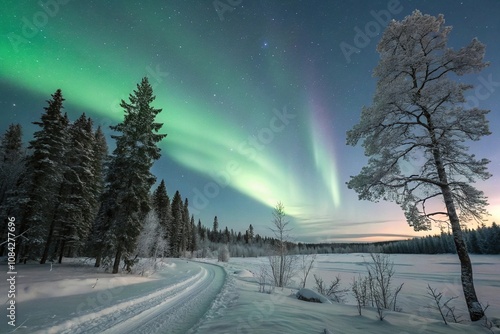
<point x="482" y="240"/>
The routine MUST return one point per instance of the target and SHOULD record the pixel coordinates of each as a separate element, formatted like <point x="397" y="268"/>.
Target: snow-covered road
<point x="172" y="303"/>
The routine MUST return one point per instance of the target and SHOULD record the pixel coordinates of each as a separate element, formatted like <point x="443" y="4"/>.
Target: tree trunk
<point x="61" y="251"/>
<point x="116" y="264"/>
<point x="476" y="311"/>
<point x="45" y="254"/>
<point x="98" y="259"/>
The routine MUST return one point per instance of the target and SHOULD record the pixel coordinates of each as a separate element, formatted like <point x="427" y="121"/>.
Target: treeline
<point x="69" y="197"/>
<point x="52" y="188"/>
<point x="482" y="240"/>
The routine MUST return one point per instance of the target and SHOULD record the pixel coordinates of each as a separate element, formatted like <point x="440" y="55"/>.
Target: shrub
<point x="223" y="255"/>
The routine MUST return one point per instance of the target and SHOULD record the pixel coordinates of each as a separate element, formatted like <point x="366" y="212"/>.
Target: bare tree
<point x="333" y="291"/>
<point x="283" y="265"/>
<point x="442" y="306"/>
<point x="306" y="264"/>
<point x="359" y="288"/>
<point x="415" y="130"/>
<point x="262" y="277"/>
<point x="380" y="273"/>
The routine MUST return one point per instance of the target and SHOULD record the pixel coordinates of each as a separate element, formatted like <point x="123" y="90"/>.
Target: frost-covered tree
<point x="95" y="241"/>
<point x="77" y="199"/>
<point x="11" y="144"/>
<point x="99" y="157"/>
<point x="129" y="178"/>
<point x="42" y="180"/>
<point x="151" y="241"/>
<point x="414" y="133"/>
<point x="12" y="155"/>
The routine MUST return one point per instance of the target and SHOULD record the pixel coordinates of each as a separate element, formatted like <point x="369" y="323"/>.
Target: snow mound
<point x="312" y="296"/>
<point x="243" y="273"/>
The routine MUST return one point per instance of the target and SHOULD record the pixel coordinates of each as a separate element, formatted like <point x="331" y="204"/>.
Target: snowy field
<point x="281" y="312"/>
<point x="199" y="297"/>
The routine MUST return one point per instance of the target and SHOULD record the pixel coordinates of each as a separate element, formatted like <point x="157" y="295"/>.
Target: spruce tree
<point x="99" y="157"/>
<point x="161" y="205"/>
<point x="185" y="231"/>
<point x="177" y="209"/>
<point x="215" y="234"/>
<point x="250" y="233"/>
<point x="77" y="197"/>
<point x="43" y="177"/>
<point x="96" y="244"/>
<point x="200" y="230"/>
<point x="160" y="202"/>
<point x="129" y="177"/>
<point x="193" y="245"/>
<point x="12" y="155"/>
<point x="11" y="160"/>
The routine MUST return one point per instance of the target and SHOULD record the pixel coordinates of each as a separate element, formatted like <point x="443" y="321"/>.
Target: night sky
<point x="256" y="97"/>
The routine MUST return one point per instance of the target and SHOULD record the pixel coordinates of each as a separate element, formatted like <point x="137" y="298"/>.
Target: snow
<point x="312" y="296"/>
<point x="243" y="273"/>
<point x="175" y="298"/>
<point x="281" y="312"/>
<point x="211" y="297"/>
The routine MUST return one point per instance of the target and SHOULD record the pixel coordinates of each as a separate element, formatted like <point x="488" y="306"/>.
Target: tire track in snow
<point x="181" y="316"/>
<point x="153" y="312"/>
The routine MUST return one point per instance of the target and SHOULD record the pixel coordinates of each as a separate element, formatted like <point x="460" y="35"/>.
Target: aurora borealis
<point x="256" y="97"/>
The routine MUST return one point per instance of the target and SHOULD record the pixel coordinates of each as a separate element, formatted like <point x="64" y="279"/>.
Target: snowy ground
<point x="73" y="298"/>
<point x="195" y="297"/>
<point x="281" y="312"/>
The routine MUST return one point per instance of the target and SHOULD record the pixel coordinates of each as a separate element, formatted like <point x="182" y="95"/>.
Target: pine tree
<point x="129" y="177"/>
<point x="193" y="245"/>
<point x="77" y="197"/>
<point x="200" y="230"/>
<point x="12" y="155"/>
<point x="227" y="236"/>
<point x="185" y="228"/>
<point x="161" y="205"/>
<point x="215" y="234"/>
<point x="99" y="158"/>
<point x="494" y="239"/>
<point x="96" y="241"/>
<point x="11" y="144"/>
<point x="43" y="178"/>
<point x="175" y="237"/>
<point x="250" y="233"/>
